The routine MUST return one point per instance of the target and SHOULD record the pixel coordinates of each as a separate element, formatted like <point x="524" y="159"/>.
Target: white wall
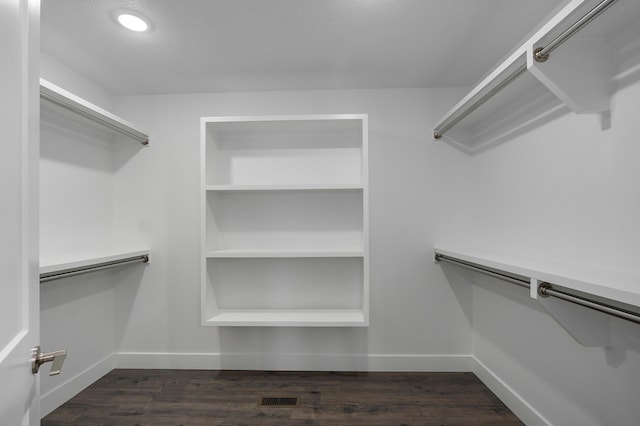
<point x="62" y="75"/>
<point x="566" y="191"/>
<point x="418" y="192"/>
<point x="77" y="168"/>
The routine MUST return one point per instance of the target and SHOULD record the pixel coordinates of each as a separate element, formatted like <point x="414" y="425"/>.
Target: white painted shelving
<point x="71" y="102"/>
<point x="285" y="221"/>
<point x="77" y="178"/>
<point x="616" y="286"/>
<point x="579" y="76"/>
<point x="282" y="187"/>
<point x="229" y="253"/>
<point x="290" y="317"/>
<point x="56" y="265"/>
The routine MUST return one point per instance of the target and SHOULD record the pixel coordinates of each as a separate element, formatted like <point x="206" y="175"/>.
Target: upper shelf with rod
<point x="82" y="107"/>
<point x="54" y="269"/>
<point x="608" y="284"/>
<point x="594" y="296"/>
<point x="582" y="299"/>
<point x="533" y="84"/>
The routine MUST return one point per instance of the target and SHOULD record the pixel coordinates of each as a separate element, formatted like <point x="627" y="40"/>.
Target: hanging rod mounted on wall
<point x="545" y="289"/>
<point x="453" y="120"/>
<point x="540" y="54"/>
<point x="71" y="102"/>
<point x="50" y="276"/>
<point x="518" y="280"/>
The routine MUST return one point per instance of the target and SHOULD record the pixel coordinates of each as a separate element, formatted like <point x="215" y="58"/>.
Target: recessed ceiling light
<point x="133" y="22"/>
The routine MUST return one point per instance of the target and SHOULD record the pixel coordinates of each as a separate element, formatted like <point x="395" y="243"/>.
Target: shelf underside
<point x="85" y="110"/>
<point x="514" y="110"/>
<point x="578" y="76"/>
<point x="61" y="263"/>
<point x="284" y="187"/>
<point x="294" y="253"/>
<point x="289" y="318"/>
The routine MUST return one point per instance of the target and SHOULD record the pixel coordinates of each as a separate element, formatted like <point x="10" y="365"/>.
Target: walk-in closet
<point x="365" y="211"/>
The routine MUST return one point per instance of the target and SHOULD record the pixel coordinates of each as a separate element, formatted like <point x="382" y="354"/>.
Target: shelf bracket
<point x="580" y="76"/>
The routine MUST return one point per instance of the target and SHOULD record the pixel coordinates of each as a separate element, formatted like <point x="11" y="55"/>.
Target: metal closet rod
<point x="92" y="115"/>
<point x="92" y="268"/>
<point x="501" y="275"/>
<point x="540" y="54"/>
<point x="444" y="127"/>
<point x="545" y="289"/>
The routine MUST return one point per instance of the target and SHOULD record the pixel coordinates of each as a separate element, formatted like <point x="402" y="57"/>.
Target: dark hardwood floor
<point x="200" y="397"/>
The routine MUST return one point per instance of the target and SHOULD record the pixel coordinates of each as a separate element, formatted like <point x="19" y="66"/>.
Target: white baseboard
<point x="66" y="390"/>
<point x="525" y="412"/>
<point x="294" y="362"/>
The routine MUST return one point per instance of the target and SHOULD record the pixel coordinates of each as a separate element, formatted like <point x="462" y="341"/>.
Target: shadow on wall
<point x="624" y="336"/>
<point x="461" y="284"/>
<point x="58" y="293"/>
<point x="294" y="349"/>
<point x="461" y="279"/>
<point x="127" y="282"/>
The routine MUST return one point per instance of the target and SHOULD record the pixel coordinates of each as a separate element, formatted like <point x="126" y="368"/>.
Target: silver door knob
<point x="38" y="358"/>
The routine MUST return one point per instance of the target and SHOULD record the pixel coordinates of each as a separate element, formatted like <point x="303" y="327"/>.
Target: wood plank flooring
<point x="205" y="397"/>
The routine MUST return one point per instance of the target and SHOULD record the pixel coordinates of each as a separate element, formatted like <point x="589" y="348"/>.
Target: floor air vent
<point x="278" y="401"/>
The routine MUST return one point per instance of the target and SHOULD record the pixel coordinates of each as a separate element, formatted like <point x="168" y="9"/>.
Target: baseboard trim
<point x="521" y="408"/>
<point x="294" y="362"/>
<point x="69" y="388"/>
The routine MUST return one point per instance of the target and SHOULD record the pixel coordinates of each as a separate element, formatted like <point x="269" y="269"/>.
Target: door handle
<point x="38" y="358"/>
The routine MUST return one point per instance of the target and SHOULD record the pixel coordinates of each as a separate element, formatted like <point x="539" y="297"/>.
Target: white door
<point x="19" y="283"/>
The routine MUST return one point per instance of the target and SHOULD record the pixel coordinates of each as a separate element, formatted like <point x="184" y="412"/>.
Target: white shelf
<point x="272" y="253"/>
<point x="289" y="318"/>
<point x="314" y="187"/>
<point x="62" y="263"/>
<point x="82" y="107"/>
<point x="578" y="76"/>
<point x="612" y="285"/>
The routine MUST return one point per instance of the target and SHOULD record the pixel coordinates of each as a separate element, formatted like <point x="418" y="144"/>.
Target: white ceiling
<point x="246" y="45"/>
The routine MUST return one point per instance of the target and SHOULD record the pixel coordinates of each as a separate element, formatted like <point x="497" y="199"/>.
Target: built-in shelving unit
<point x="77" y="173"/>
<point x="285" y="221"/>
<point x="591" y="284"/>
<point x="525" y="90"/>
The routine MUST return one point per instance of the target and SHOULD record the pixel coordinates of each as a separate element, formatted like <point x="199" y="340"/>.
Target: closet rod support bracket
<point x="539" y="56"/>
<point x="542" y="289"/>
